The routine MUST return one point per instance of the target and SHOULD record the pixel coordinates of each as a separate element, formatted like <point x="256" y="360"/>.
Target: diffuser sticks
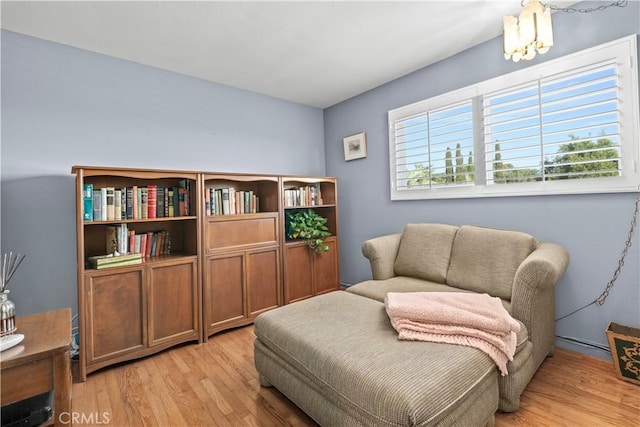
<point x="10" y="263"/>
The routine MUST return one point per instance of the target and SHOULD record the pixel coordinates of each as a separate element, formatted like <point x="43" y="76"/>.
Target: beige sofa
<point x="339" y="359"/>
<point x="502" y="263"/>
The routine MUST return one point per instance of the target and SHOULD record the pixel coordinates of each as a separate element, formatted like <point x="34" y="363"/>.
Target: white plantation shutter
<point x="431" y="148"/>
<point x="566" y="126"/>
<point x="578" y="107"/>
<point x="513" y="133"/>
<point x="411" y="147"/>
<point x="527" y="126"/>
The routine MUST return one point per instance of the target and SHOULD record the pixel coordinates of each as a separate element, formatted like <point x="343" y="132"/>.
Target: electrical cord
<point x="627" y="245"/>
<point x="587" y="344"/>
<point x="74" y="351"/>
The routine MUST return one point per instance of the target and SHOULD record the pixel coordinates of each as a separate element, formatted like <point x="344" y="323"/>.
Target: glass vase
<point x="8" y="312"/>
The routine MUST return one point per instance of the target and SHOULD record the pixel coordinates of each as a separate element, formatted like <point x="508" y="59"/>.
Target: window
<point x="423" y="147"/>
<point x="569" y="125"/>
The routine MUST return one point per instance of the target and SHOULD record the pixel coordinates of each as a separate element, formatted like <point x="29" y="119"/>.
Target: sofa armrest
<point x="381" y="253"/>
<point x="533" y="295"/>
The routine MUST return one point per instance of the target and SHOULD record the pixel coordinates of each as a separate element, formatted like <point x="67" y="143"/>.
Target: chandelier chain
<point x="619" y="3"/>
<point x="634" y="222"/>
<point x="627" y="245"/>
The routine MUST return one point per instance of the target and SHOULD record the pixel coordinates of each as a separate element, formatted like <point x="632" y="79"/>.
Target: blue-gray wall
<point x="63" y="106"/>
<point x="592" y="227"/>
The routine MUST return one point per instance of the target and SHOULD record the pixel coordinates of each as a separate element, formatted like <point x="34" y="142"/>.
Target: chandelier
<point x="531" y="32"/>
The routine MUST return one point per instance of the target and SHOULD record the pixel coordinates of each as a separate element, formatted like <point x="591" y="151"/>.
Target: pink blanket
<point x="475" y="320"/>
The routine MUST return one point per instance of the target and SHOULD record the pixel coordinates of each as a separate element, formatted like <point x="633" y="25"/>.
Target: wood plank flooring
<point x="215" y="384"/>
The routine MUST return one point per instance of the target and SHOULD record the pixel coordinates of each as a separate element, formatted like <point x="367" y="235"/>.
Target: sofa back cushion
<point x="424" y="251"/>
<point x="486" y="259"/>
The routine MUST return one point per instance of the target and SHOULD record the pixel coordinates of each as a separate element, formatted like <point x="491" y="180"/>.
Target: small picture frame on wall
<point x="355" y="146"/>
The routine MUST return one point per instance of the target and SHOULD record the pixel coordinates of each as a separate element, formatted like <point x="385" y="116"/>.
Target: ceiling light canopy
<point x="531" y="32"/>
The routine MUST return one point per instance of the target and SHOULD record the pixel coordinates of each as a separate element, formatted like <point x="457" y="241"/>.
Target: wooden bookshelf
<point x="241" y="266"/>
<point x="223" y="267"/>
<point x="130" y="311"/>
<point x="307" y="273"/>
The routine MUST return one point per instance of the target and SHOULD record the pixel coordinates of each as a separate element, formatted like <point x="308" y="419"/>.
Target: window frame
<point x="623" y="50"/>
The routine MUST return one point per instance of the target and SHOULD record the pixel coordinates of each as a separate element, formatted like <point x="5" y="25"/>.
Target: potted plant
<point x="309" y="226"/>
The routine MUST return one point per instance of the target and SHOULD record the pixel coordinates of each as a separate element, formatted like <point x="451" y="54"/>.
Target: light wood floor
<point x="215" y="384"/>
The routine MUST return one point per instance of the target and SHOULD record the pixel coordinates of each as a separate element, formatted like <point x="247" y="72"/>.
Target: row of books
<point x="121" y="240"/>
<point x="136" y="202"/>
<point x="229" y="201"/>
<point x="309" y="195"/>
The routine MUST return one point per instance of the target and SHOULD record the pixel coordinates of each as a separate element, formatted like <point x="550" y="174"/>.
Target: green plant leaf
<point x="310" y="226"/>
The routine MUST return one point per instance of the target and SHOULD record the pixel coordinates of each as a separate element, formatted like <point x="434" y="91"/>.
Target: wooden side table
<point x="40" y="363"/>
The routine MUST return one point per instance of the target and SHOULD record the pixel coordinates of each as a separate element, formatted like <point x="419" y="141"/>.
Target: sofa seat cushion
<point x="346" y="349"/>
<point x="378" y="289"/>
<point x="485" y="260"/>
<point x="424" y="251"/>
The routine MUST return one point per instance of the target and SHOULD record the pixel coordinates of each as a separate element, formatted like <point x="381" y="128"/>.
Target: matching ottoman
<point x="337" y="357"/>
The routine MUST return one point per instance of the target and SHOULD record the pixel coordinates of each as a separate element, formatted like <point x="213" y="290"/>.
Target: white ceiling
<point x="313" y="53"/>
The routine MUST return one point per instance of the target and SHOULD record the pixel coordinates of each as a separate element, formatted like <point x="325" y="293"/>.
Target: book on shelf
<point x="112" y="260"/>
<point x="169" y="201"/>
<point x="225" y="201"/>
<point x="309" y="195"/>
<point x="248" y="202"/>
<point x="131" y="242"/>
<point x="149" y="247"/>
<point x="152" y="201"/>
<point x="230" y="201"/>
<point x="176" y="201"/>
<point x="134" y="242"/>
<point x="129" y="206"/>
<point x="143" y="244"/>
<point x="123" y="203"/>
<point x="164" y="243"/>
<point x="218" y="195"/>
<point x="207" y="201"/>
<point x="245" y="201"/>
<point x="159" y="244"/>
<point x="184" y="187"/>
<point x="144" y="202"/>
<point x="87" y="202"/>
<point x="160" y="202"/>
<point x="117" y="204"/>
<point x="122" y="240"/>
<point x="110" y="204"/>
<point x="97" y="205"/>
<point x="117" y="239"/>
<point x="135" y="202"/>
<point x="103" y="204"/>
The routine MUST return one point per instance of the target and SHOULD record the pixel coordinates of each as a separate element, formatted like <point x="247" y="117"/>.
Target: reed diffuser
<point x="10" y="264"/>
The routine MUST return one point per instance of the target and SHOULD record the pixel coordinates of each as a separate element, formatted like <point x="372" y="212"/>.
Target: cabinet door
<point x="224" y="289"/>
<point x="298" y="273"/>
<point x="263" y="280"/>
<point x="173" y="310"/>
<point x="115" y="313"/>
<point x="325" y="269"/>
